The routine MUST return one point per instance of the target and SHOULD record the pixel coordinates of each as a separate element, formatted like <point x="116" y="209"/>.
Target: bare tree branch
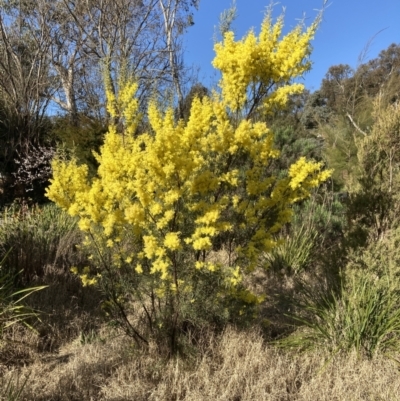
<point x="355" y="125"/>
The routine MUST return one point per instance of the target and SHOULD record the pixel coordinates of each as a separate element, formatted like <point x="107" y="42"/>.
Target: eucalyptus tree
<point x="177" y="17"/>
<point x="92" y="42"/>
<point x="56" y="55"/>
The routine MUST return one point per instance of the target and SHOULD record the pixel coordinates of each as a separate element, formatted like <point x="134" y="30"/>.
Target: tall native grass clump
<point x="179" y="215"/>
<point x="363" y="314"/>
<point x="294" y="252"/>
<point x="364" y="317"/>
<point x="35" y="237"/>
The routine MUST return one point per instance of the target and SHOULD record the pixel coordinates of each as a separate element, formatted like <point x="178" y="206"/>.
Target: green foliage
<point x="382" y="74"/>
<point x="82" y="138"/>
<point x="338" y="88"/>
<point x="33" y="238"/>
<point x="365" y="317"/>
<point x="347" y="97"/>
<point x="340" y="151"/>
<point x="291" y="115"/>
<point x="312" y="238"/>
<point x="380" y="257"/>
<point x="295" y="252"/>
<point x="373" y="206"/>
<point x="12" y="311"/>
<point x="293" y="145"/>
<point x="325" y="212"/>
<point x="316" y="111"/>
<point x="345" y="90"/>
<point x="363" y="314"/>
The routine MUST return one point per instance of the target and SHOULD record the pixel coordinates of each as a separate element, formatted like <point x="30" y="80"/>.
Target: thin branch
<point x="355" y="125"/>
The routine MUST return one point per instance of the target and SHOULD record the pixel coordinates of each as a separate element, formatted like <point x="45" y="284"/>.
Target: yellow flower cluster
<point x="124" y="106"/>
<point x="305" y="176"/>
<point x="264" y="62"/>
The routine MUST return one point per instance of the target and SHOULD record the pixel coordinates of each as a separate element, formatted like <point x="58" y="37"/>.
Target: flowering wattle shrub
<point x="165" y="205"/>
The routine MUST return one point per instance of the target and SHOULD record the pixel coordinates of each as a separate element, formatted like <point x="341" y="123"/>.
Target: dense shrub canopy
<point x="185" y="191"/>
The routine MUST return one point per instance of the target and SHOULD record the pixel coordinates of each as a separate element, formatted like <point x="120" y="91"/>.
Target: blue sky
<point x="347" y="28"/>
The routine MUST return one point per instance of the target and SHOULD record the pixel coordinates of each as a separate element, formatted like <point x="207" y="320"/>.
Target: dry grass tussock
<point x="236" y="366"/>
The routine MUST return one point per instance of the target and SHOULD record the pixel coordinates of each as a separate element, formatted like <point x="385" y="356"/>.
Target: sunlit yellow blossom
<point x="212" y="267"/>
<point x="161" y="265"/>
<point x="88" y="281"/>
<point x="236" y="276"/>
<point x="150" y="246"/>
<point x="203" y="243"/>
<point x="172" y="241"/>
<point x="264" y="60"/>
<point x="134" y="214"/>
<point x="74" y="270"/>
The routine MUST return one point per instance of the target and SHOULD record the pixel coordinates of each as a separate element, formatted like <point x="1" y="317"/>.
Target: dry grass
<point x="75" y="357"/>
<point x="67" y="310"/>
<point x="236" y="366"/>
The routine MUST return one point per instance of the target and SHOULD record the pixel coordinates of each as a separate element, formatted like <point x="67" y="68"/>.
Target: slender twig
<point x="355" y="125"/>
